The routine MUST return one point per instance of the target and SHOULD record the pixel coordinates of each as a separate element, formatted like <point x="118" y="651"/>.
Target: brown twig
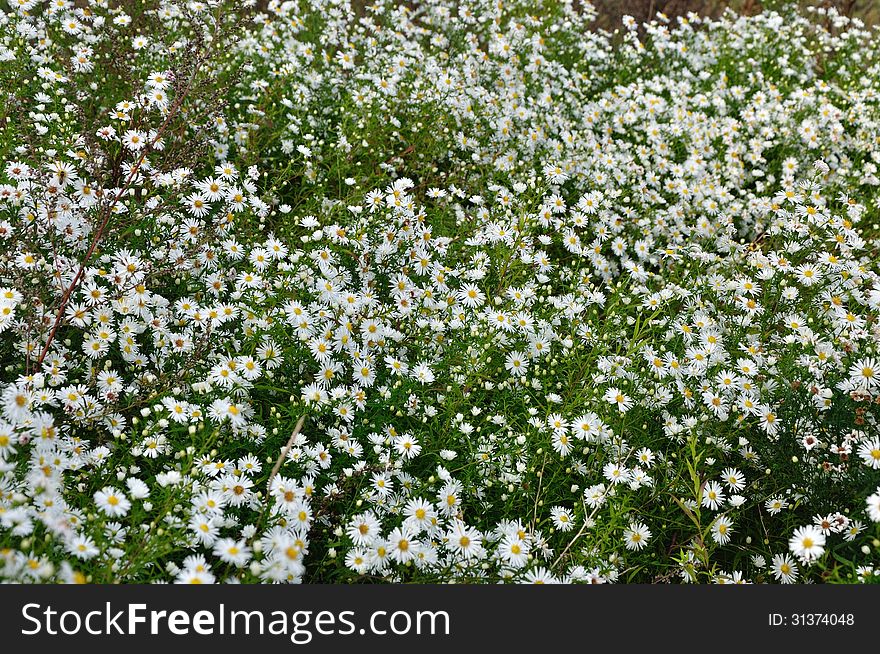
<point x="297" y="428"/>
<point x="284" y="452"/>
<point x="105" y="218"/>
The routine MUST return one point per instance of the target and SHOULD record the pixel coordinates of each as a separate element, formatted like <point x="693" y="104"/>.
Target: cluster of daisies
<point x="327" y="291"/>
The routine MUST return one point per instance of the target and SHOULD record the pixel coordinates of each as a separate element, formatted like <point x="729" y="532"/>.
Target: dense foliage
<point x="463" y="291"/>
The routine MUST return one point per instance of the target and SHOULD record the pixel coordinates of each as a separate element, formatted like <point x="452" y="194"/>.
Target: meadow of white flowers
<point x="332" y="291"/>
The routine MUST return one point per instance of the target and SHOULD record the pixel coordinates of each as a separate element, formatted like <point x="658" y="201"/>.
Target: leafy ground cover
<point x="319" y="291"/>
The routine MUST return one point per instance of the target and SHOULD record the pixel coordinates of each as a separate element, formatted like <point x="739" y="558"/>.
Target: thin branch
<point x="284" y="452"/>
<point x="108" y="214"/>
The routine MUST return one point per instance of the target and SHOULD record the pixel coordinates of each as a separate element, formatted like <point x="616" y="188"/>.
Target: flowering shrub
<point x="339" y="292"/>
